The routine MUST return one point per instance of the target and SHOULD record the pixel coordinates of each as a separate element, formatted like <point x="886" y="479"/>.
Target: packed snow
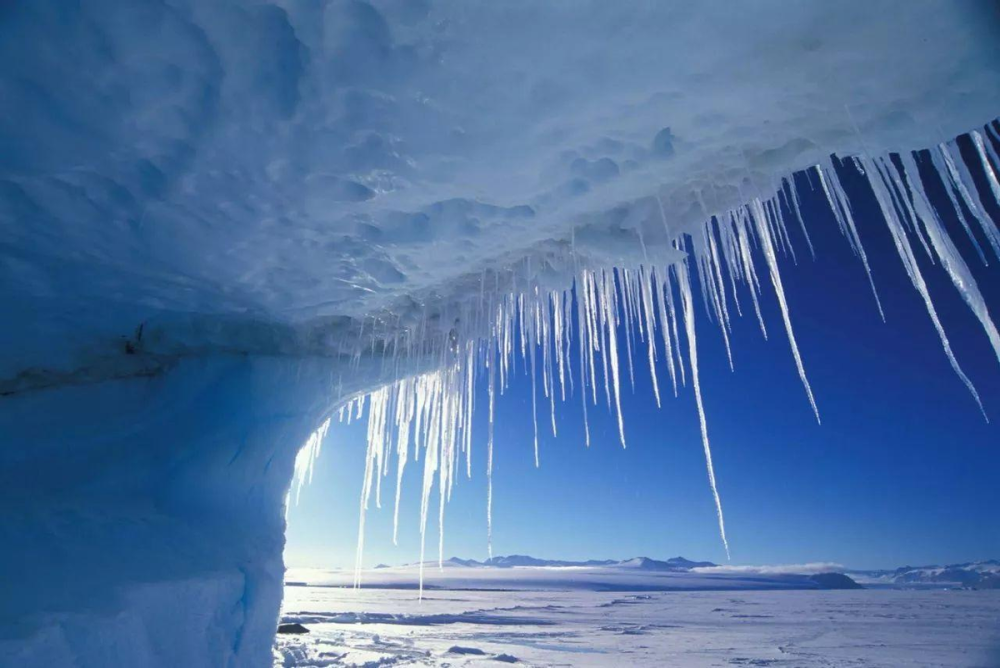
<point x="546" y="615"/>
<point x="287" y="177"/>
<point x="227" y="223"/>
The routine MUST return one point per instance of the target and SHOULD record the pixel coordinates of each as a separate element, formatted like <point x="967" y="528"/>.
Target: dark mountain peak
<point x="645" y="563"/>
<point x="681" y="562"/>
<point x="834" y="581"/>
<point x="672" y="564"/>
<point x="456" y="561"/>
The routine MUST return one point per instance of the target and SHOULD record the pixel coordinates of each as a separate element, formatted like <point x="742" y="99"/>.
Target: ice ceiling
<point x="263" y="176"/>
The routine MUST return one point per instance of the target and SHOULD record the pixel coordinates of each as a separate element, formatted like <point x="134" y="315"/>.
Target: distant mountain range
<point x="975" y="574"/>
<point x="522" y="572"/>
<point x="677" y="564"/>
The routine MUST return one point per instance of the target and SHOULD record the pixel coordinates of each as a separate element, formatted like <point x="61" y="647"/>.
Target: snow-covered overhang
<point x="262" y="176"/>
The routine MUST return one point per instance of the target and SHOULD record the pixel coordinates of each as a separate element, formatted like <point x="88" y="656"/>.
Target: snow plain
<point x="560" y="626"/>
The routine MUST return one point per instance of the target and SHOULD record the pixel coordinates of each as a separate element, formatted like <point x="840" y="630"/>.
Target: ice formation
<point x="433" y="411"/>
<point x="226" y="222"/>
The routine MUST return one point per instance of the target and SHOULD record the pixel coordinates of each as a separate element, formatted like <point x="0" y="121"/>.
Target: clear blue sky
<point x="903" y="469"/>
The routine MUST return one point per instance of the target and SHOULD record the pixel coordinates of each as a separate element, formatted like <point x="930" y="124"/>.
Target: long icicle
<point x="959" y="272"/>
<point x="684" y="282"/>
<point x="491" y="362"/>
<point x="841" y="209"/>
<point x="913" y="271"/>
<point x="610" y="307"/>
<point x="772" y="264"/>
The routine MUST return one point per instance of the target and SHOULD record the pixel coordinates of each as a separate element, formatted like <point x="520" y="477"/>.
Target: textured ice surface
<point x="221" y="169"/>
<point x="696" y="628"/>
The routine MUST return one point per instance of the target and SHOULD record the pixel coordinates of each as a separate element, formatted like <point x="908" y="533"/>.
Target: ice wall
<point x="221" y="219"/>
<point x="143" y="518"/>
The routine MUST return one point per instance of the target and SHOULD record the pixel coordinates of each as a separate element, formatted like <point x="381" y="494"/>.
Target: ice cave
<point x="228" y="223"/>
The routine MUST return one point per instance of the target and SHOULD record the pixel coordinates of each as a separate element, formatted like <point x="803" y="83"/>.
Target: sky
<point x="902" y="470"/>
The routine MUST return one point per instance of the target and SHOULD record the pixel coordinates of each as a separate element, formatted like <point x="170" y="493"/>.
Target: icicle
<point x="771" y="205"/>
<point x="718" y="290"/>
<point x="625" y="283"/>
<point x="559" y="338"/>
<point x="982" y="146"/>
<point x="583" y="346"/>
<point x="946" y="251"/>
<point x="548" y="380"/>
<point x="608" y="301"/>
<point x="430" y="467"/>
<point x="590" y="331"/>
<point x="647" y="308"/>
<point x="962" y="180"/>
<point x="842" y="211"/>
<point x="707" y="299"/>
<point x="949" y="177"/>
<point x="767" y="245"/>
<point x="305" y="459"/>
<point x="604" y="325"/>
<point x="795" y="202"/>
<point x="725" y="250"/>
<point x="567" y="318"/>
<point x="685" y="288"/>
<point x="404" y="413"/>
<point x="668" y="353"/>
<point x="491" y="363"/>
<point x="902" y="206"/>
<point x="668" y="291"/>
<point x="802" y="222"/>
<point x="753" y="282"/>
<point x="470" y="382"/>
<point x="372" y="468"/>
<point x="534" y="397"/>
<point x="913" y="271"/>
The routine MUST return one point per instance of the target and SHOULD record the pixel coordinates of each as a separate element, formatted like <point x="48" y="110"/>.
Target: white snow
<point x="683" y="628"/>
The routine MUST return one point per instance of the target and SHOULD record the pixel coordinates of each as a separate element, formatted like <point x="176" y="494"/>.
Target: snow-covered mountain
<point x="521" y="560"/>
<point x="513" y="560"/>
<point x="526" y="573"/>
<point x="975" y="574"/>
<point x="672" y="564"/>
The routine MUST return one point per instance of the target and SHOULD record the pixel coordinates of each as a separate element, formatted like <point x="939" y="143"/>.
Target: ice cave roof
<point x="218" y="168"/>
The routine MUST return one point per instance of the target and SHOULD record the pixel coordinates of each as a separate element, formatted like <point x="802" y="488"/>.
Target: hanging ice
<point x="685" y="288"/>
<point x="305" y="460"/>
<point x="437" y="406"/>
<point x="767" y="246"/>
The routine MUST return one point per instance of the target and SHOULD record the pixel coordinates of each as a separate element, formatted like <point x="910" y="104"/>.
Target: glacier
<point x="226" y="223"/>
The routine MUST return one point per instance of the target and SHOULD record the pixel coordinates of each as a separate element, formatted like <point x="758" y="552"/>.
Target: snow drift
<point x="224" y="220"/>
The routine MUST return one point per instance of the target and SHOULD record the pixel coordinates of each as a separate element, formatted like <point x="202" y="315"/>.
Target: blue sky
<point x="902" y="470"/>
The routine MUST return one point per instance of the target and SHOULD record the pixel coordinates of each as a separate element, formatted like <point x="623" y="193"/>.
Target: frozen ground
<point x="872" y="627"/>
